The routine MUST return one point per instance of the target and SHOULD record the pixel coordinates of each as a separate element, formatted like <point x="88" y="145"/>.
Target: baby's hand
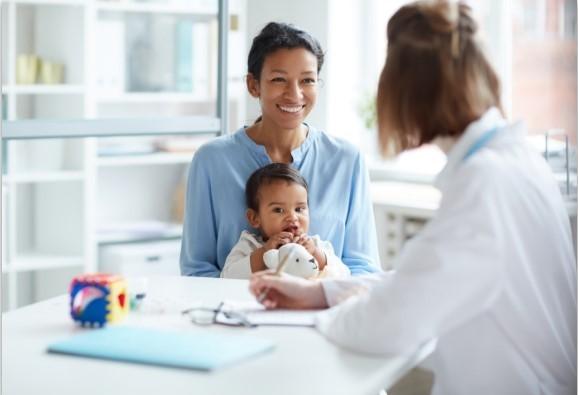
<point x="278" y="240"/>
<point x="311" y="248"/>
<point x="306" y="242"/>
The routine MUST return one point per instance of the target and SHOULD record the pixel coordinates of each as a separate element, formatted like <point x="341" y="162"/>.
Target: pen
<point x="278" y="272"/>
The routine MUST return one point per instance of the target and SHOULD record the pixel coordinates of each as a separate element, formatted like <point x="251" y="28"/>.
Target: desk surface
<point x="303" y="362"/>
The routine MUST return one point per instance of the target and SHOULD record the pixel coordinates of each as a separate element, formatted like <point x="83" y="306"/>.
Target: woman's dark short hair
<point x="436" y="79"/>
<point x="267" y="175"/>
<point x="275" y="36"/>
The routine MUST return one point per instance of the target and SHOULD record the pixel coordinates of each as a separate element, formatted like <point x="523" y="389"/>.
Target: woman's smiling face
<point x="287" y="88"/>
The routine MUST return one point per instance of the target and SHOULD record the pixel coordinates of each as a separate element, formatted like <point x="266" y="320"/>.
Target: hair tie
<point x="455" y="20"/>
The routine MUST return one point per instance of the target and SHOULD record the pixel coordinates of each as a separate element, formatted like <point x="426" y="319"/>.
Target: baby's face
<point x="283" y="208"/>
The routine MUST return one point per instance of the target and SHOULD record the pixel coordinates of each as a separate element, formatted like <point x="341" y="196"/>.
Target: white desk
<point x="303" y="362"/>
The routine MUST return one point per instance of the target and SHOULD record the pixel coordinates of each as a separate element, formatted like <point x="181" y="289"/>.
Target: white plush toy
<point x="299" y="261"/>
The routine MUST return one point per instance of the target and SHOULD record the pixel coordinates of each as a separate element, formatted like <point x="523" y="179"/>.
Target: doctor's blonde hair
<point x="436" y="79"/>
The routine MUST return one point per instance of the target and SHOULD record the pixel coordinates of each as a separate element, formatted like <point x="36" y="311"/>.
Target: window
<point x="544" y="64"/>
<point x="532" y="44"/>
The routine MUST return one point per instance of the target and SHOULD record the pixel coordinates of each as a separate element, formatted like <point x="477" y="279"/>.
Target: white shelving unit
<point x="56" y="89"/>
<point x="401" y="209"/>
<point x="121" y="59"/>
<point x="141" y="160"/>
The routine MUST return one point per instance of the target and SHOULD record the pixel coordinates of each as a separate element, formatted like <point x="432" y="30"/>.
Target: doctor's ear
<point x="253" y="218"/>
<point x="252" y="85"/>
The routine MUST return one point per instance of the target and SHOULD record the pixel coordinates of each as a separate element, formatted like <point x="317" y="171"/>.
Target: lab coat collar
<point x="490" y="120"/>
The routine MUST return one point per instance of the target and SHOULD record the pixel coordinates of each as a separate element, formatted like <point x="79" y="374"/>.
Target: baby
<point x="278" y="208"/>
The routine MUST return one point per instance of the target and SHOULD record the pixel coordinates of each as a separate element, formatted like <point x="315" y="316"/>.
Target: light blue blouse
<point x="339" y="201"/>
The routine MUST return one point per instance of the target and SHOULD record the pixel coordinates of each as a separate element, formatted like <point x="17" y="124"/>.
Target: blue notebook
<point x="191" y="350"/>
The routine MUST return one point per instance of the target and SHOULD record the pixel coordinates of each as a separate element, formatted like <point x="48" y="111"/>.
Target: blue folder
<point x="191" y="350"/>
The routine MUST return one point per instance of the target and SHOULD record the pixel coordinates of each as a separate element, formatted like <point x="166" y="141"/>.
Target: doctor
<point x="493" y="275"/>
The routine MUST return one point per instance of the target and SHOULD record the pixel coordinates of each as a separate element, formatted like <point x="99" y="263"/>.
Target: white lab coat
<point x="492" y="276"/>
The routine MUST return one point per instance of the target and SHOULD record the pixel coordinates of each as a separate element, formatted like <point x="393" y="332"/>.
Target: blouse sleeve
<point x="199" y="242"/>
<point x="360" y="251"/>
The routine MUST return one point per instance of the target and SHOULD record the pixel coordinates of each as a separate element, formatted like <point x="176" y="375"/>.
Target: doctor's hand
<point x="287" y="291"/>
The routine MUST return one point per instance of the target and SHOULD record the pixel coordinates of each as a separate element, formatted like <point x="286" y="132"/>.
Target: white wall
<point x="352" y="61"/>
<point x="310" y="15"/>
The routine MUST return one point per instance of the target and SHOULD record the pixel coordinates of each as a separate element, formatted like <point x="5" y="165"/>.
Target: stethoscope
<point x="481" y="142"/>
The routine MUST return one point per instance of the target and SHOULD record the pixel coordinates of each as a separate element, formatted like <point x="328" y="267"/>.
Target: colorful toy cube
<point x="97" y="299"/>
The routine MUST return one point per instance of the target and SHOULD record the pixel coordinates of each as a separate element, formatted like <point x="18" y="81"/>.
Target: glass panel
<point x="4" y="107"/>
<point x="4" y="39"/>
<point x="544" y="81"/>
<point x="544" y="65"/>
<point x="161" y="64"/>
<point x="105" y="59"/>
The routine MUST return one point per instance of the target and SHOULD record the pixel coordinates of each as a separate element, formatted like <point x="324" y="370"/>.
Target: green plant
<point x="367" y="111"/>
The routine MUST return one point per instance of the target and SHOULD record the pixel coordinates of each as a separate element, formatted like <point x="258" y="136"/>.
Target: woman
<point x="493" y="275"/>
<point x="283" y="67"/>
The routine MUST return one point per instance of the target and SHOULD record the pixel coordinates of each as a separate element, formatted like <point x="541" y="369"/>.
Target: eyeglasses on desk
<point x="220" y="316"/>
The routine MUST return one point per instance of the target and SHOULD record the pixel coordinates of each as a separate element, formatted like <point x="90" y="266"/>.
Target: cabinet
<point x="106" y="67"/>
<point x="150" y="259"/>
<point x="401" y="209"/>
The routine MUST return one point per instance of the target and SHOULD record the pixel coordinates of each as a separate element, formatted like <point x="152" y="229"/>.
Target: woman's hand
<point x="287" y="291"/>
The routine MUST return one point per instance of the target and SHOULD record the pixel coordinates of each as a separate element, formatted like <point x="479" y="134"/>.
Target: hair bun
<point x="436" y="79"/>
<point x="446" y="16"/>
<point x="428" y="23"/>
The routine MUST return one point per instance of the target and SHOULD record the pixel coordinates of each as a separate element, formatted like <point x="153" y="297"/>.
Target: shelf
<point x="156" y="8"/>
<point x="139" y="232"/>
<point x="38" y="261"/>
<point x="39" y="89"/>
<point x="160" y="158"/>
<point x="571" y="205"/>
<point x="52" y="176"/>
<point x="153" y="97"/>
<point x="62" y="200"/>
<point x="49" y="2"/>
<point x="72" y="128"/>
<point x="137" y="239"/>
